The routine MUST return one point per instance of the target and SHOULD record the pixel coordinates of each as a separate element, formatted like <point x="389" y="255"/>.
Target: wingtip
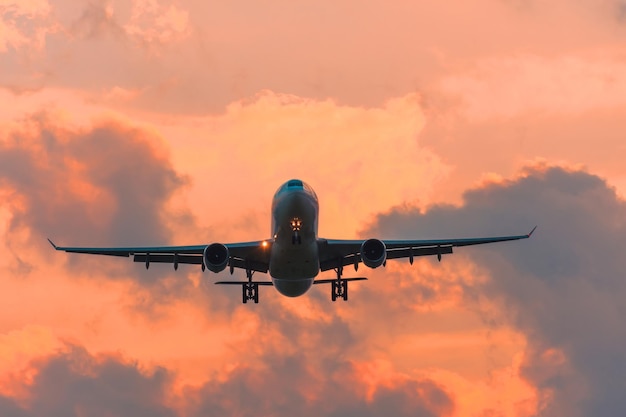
<point x="52" y="243"/>
<point x="531" y="232"/>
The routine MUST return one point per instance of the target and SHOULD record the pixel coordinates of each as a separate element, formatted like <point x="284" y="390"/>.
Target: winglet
<point x="531" y="232"/>
<point x="53" y="245"/>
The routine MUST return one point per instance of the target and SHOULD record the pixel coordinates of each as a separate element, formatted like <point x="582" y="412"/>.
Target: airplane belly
<point x="289" y="261"/>
<point x="293" y="267"/>
<point x="291" y="287"/>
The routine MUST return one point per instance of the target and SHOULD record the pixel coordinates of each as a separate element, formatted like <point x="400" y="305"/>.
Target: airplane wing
<point x="245" y="255"/>
<point x="338" y="253"/>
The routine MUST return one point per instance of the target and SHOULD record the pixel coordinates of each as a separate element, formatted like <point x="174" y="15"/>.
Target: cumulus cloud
<point x="304" y="89"/>
<point x="335" y="392"/>
<point x="96" y="20"/>
<point x="357" y="159"/>
<point x="23" y="24"/>
<point x="74" y="381"/>
<point x="505" y="111"/>
<point x="501" y="88"/>
<point x="193" y="56"/>
<point x="105" y="185"/>
<point x="563" y="288"/>
<point x="154" y="23"/>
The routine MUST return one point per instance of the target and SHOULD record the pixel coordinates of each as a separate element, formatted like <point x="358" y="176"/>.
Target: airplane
<point x="294" y="255"/>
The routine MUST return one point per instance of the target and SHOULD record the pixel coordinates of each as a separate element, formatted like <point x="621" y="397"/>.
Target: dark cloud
<point x="75" y="383"/>
<point x="291" y="384"/>
<point x="564" y="287"/>
<point x="411" y="398"/>
<point x="102" y="186"/>
<point x="309" y="363"/>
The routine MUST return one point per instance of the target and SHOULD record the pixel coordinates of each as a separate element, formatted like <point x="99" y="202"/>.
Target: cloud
<point x="505" y="111"/>
<point x="503" y="87"/>
<point x="153" y="23"/>
<point x="290" y="384"/>
<point x="230" y="346"/>
<point x="105" y="185"/>
<point x="193" y="57"/>
<point x="357" y="159"/>
<point x="146" y="23"/>
<point x="74" y="382"/>
<point x="373" y="104"/>
<point x="23" y="24"/>
<point x="562" y="288"/>
<point x="97" y="20"/>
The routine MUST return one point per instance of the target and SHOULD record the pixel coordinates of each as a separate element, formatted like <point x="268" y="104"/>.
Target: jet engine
<point x="216" y="257"/>
<point x="373" y="253"/>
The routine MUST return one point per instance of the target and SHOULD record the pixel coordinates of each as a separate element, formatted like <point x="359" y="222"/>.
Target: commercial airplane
<point x="294" y="255"/>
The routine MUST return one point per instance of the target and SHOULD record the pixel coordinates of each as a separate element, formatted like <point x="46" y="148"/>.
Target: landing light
<point x="296" y="224"/>
<point x="264" y="244"/>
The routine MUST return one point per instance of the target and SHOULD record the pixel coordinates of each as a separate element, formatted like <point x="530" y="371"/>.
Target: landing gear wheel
<point x="339" y="289"/>
<point x="250" y="290"/>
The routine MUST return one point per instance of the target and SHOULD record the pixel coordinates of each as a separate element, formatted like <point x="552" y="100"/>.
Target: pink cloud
<point x="554" y="288"/>
<point x="501" y="88"/>
<point x="24" y="24"/>
<point x="377" y="106"/>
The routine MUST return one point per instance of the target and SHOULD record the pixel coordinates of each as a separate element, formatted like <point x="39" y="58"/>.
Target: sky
<point x="158" y="122"/>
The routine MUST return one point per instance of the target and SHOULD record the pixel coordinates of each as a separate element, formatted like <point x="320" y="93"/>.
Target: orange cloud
<point x="357" y="159"/>
<point x="175" y="122"/>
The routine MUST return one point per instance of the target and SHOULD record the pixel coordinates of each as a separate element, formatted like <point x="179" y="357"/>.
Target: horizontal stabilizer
<point x="328" y="281"/>
<point x="266" y="283"/>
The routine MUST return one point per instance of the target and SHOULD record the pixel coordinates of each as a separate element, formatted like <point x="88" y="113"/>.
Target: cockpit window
<point x="297" y="185"/>
<point x="294" y="184"/>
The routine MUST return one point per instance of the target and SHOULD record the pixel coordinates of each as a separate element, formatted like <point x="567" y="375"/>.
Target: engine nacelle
<point x="373" y="253"/>
<point x="216" y="257"/>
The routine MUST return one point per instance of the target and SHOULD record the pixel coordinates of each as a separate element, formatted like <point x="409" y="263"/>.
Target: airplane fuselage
<point x="294" y="256"/>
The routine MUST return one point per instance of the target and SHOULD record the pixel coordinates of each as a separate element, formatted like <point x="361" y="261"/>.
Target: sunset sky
<point x="158" y="122"/>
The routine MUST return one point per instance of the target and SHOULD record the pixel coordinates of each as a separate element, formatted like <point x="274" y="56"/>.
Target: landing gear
<point x="250" y="290"/>
<point x="339" y="287"/>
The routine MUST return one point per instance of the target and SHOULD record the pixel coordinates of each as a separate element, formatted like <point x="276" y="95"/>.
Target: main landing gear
<point x="339" y="287"/>
<point x="250" y="290"/>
